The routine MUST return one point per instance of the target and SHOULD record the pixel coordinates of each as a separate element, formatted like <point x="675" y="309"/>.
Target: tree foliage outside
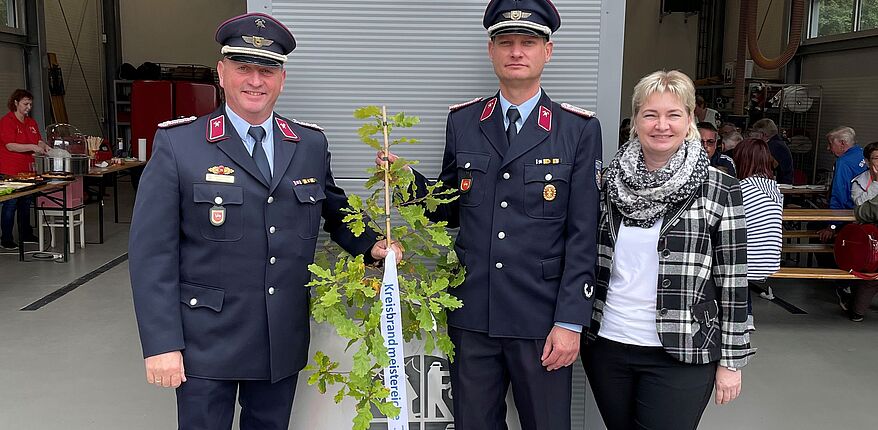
<point x="869" y="15"/>
<point x="834" y="17"/>
<point x="346" y="291"/>
<point x="4" y="16"/>
<point x="837" y="16"/>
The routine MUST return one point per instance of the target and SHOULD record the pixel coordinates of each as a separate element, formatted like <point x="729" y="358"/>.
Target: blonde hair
<point x="674" y="82"/>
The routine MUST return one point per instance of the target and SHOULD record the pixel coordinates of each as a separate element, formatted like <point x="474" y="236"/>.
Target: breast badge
<point x="549" y="192"/>
<point x="217" y="215"/>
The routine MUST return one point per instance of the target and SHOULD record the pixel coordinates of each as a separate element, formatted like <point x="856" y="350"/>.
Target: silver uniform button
<point x="548" y="176"/>
<point x="466" y="166"/>
<point x="218" y="200"/>
<point x="272" y="229"/>
<point x="312" y="198"/>
<point x="270" y="290"/>
<point x="504" y="205"/>
<point x="270" y="199"/>
<point x="499" y="265"/>
<point x="506" y="175"/>
<point x="501" y="235"/>
<point x="193" y="301"/>
<point x="272" y="260"/>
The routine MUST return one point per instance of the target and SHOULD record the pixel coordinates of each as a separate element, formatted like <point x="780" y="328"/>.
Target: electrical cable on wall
<point x="79" y="61"/>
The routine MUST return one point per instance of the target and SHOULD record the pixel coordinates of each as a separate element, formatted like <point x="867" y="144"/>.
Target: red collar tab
<point x="216" y="129"/>
<point x="545" y="120"/>
<point x="489" y="109"/>
<point x="286" y="130"/>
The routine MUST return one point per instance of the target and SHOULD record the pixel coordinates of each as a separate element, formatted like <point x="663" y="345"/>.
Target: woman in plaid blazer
<point x="668" y="327"/>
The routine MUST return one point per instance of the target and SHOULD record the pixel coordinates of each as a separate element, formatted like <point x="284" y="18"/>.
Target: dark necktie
<point x="512" y="131"/>
<point x="258" y="133"/>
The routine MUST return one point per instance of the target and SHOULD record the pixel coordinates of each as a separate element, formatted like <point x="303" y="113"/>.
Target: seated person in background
<point x="726" y="128"/>
<point x="864" y="193"/>
<point x="766" y="130"/>
<point x="704" y="113"/>
<point x="710" y="141"/>
<point x="731" y="141"/>
<point x="763" y="212"/>
<point x="848" y="165"/>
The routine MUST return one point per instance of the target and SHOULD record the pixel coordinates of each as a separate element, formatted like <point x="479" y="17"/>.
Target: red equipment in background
<point x="153" y="102"/>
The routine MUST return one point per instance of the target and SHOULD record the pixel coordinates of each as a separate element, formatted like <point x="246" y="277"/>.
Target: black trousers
<point x="482" y="370"/>
<point x="638" y="387"/>
<point x="208" y="404"/>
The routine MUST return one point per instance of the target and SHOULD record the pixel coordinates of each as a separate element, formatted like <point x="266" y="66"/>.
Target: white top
<point x="763" y="211"/>
<point x="629" y="312"/>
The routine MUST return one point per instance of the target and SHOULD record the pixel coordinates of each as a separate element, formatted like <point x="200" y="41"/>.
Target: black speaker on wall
<point x="684" y="6"/>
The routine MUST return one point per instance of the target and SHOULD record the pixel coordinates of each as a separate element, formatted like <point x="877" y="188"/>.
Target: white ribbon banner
<point x="391" y="329"/>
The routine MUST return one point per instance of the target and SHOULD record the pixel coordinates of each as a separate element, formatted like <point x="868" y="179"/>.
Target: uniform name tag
<point x="210" y="177"/>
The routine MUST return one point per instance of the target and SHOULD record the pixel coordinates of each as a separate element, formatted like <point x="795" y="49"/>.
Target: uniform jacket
<point x="232" y="297"/>
<point x="701" y="308"/>
<point x="529" y="253"/>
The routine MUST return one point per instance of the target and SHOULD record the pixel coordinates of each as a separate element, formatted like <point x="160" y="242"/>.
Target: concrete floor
<point x="76" y="364"/>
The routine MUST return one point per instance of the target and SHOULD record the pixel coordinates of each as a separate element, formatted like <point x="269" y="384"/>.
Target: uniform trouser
<point x="208" y="404"/>
<point x="638" y="387"/>
<point x="482" y="370"/>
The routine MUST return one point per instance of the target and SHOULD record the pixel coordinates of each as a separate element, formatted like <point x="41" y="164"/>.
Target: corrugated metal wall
<point x="84" y="96"/>
<point x="849" y="81"/>
<point x="12" y="73"/>
<point x="417" y="56"/>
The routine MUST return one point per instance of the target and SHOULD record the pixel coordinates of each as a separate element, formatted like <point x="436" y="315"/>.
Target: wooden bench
<point x="807" y="247"/>
<point x="800" y="234"/>
<point x="812" y="273"/>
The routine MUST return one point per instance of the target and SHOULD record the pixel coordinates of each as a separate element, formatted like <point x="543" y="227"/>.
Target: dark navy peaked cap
<point x="529" y="17"/>
<point x="255" y="38"/>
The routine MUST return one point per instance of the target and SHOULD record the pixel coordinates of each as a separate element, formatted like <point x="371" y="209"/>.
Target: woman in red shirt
<point x="20" y="139"/>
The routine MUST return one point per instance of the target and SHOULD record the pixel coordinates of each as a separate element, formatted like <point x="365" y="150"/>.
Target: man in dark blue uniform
<point x="223" y="231"/>
<point x="526" y="169"/>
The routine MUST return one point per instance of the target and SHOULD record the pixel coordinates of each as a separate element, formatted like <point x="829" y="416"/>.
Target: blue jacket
<point x="528" y="220"/>
<point x="847" y="167"/>
<point x="218" y="261"/>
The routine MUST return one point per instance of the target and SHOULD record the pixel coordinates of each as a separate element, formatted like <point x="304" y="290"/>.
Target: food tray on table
<point x="12" y="185"/>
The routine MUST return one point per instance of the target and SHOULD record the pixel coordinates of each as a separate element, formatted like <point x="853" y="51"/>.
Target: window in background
<point x="832" y="17"/>
<point x="868" y="14"/>
<point x="5" y="6"/>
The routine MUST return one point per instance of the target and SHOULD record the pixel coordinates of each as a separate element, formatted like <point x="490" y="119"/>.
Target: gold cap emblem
<point x="257" y="41"/>
<point x="516" y="15"/>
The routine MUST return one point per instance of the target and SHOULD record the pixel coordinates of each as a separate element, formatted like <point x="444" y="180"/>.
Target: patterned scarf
<point x="644" y="196"/>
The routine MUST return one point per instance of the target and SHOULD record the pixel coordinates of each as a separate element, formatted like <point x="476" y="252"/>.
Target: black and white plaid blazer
<point x="701" y="308"/>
